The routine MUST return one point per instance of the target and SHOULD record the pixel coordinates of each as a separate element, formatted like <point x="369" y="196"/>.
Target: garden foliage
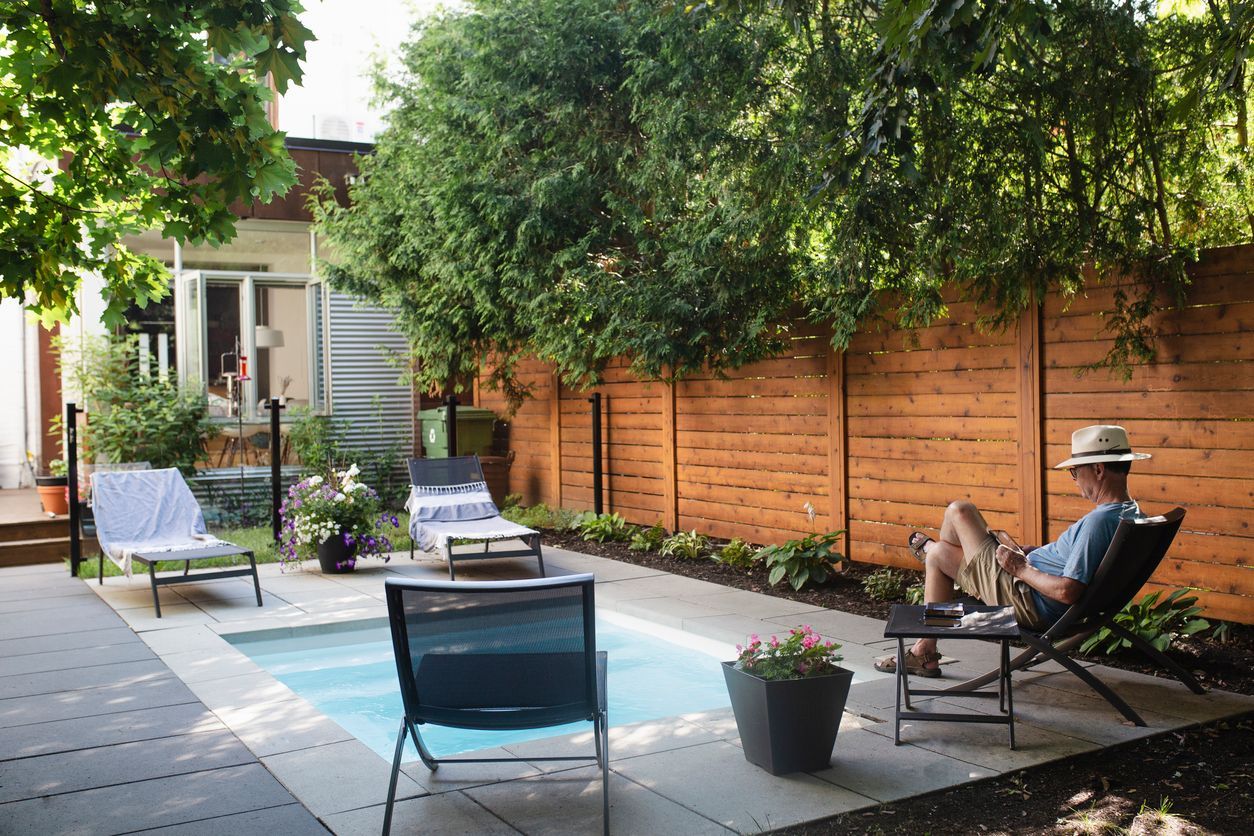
<point x="808" y="560"/>
<point x="686" y="545"/>
<point x="1157" y="622"/>
<point x="581" y="180"/>
<point x="124" y="115"/>
<point x="802" y="654"/>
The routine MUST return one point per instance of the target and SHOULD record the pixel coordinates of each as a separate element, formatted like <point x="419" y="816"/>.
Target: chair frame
<point x="494" y="719"/>
<point x="532" y="541"/>
<point x="186" y="556"/>
<point x="1137" y="548"/>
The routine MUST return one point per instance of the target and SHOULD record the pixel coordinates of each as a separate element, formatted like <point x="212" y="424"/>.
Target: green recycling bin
<point x="474" y="431"/>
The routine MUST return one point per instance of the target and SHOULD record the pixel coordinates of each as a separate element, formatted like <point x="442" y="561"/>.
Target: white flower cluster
<point x="313" y="529"/>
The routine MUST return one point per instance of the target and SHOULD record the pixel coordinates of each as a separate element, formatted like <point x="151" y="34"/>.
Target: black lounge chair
<point x="1135" y="552"/>
<point x="497" y="655"/>
<point x="449" y="500"/>
<point x="151" y="516"/>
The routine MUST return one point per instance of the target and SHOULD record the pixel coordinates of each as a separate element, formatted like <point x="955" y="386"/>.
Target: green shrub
<point x="132" y="416"/>
<point x="648" y="539"/>
<point x="1157" y="622"/>
<point x="512" y="500"/>
<point x="737" y="554"/>
<point x="688" y="545"/>
<point x="914" y="595"/>
<point x="885" y="585"/>
<point x="813" y="558"/>
<point x="563" y="519"/>
<point x="604" y="528"/>
<point x="311" y="439"/>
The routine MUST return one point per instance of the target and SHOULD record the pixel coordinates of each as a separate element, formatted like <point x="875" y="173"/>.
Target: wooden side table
<point x="981" y="622"/>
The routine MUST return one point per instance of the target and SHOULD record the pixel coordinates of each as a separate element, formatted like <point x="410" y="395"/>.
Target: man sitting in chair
<point x="1040" y="582"/>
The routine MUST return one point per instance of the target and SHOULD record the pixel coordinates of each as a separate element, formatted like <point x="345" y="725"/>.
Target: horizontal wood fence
<point x="878" y="439"/>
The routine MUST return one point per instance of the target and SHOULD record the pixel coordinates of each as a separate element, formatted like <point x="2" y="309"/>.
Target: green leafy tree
<point x="1003" y="147"/>
<point x="118" y="116"/>
<point x="579" y="180"/>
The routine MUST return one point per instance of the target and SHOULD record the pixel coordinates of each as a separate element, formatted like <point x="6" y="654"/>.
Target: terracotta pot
<point x="787" y="725"/>
<point x="53" y="494"/>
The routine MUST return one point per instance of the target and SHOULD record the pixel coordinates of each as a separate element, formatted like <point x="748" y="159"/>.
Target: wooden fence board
<point x="951" y="359"/>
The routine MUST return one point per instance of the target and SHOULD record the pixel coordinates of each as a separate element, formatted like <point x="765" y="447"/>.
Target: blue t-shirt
<point x="1079" y="551"/>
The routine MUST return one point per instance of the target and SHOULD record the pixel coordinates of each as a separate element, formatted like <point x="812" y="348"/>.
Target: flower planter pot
<point x="334" y="557"/>
<point x="787" y="725"/>
<point x="52" y="494"/>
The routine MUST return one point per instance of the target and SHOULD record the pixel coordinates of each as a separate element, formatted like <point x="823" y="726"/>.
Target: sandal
<point x="915" y="543"/>
<point x="915" y="665"/>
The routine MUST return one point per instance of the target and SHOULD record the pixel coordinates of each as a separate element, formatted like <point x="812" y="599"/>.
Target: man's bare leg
<point x="962" y="530"/>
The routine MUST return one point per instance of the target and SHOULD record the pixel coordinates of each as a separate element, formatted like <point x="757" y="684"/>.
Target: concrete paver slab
<point x="141" y="619"/>
<point x="107" y="729"/>
<point x="241" y="691"/>
<point x="74" y="658"/>
<point x="274" y="727"/>
<point x="870" y="764"/>
<point x="84" y="769"/>
<point x="360" y="777"/>
<point x="1160" y="694"/>
<point x="449" y="814"/>
<point x="285" y="820"/>
<point x="743" y="797"/>
<point x="128" y="807"/>
<point x="571" y="803"/>
<point x="76" y="679"/>
<point x="106" y="637"/>
<point x="44" y="708"/>
<point x="206" y="664"/>
<point x="88" y="615"/>
<point x="459" y="776"/>
<point x="625" y="742"/>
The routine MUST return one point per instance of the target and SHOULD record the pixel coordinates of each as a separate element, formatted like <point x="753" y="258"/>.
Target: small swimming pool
<point x="350" y="676"/>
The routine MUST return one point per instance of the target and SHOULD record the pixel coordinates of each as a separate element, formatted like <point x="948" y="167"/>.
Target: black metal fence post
<point x="276" y="461"/>
<point x="71" y="459"/>
<point x="597" y="504"/>
<point x="450" y="423"/>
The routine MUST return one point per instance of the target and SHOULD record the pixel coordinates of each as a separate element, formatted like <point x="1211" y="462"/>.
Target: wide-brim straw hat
<point x="1100" y="443"/>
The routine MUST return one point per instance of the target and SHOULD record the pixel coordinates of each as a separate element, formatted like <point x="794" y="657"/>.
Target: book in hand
<point x="942" y="614"/>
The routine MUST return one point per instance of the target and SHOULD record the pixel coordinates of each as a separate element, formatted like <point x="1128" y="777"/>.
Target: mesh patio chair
<point x="497" y="655"/>
<point x="449" y="500"/>
<point x="1138" y="547"/>
<point x="151" y="516"/>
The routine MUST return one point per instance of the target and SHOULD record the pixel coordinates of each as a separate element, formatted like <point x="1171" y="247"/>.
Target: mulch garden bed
<point x="1204" y="775"/>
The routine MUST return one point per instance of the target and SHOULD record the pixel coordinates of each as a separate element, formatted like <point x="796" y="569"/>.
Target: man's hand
<point x="1012" y="560"/>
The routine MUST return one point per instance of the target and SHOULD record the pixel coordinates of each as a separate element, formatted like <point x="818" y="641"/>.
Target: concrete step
<point x="44" y="529"/>
<point x="44" y="550"/>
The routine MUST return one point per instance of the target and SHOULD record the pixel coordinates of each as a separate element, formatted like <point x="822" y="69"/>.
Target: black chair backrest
<point x="1139" y="545"/>
<point x="455" y="470"/>
<point x="495" y="655"/>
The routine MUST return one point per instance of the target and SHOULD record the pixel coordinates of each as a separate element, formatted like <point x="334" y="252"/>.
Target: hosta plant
<point x="737" y="554"/>
<point x="1157" y="622"/>
<point x="648" y="539"/>
<point x="811" y="559"/>
<point x="604" y="528"/>
<point x="688" y="545"/>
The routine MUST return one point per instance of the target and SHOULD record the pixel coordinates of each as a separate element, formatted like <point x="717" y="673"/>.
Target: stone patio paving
<point x="678" y="775"/>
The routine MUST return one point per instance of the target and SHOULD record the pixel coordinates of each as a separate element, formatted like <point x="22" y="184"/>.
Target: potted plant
<point x="52" y="488"/>
<point x="788" y="697"/>
<point x="336" y="516"/>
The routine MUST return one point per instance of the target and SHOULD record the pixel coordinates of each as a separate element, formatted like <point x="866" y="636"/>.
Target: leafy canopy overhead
<point x="117" y="116"/>
<point x="588" y="180"/>
<point x="579" y="179"/>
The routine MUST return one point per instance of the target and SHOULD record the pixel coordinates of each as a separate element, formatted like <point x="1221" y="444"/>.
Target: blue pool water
<point x="350" y="676"/>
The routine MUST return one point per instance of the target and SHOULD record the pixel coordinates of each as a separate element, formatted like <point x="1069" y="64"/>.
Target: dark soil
<point x="1204" y="775"/>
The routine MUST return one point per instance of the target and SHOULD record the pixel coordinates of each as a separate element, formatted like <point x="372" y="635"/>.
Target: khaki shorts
<point x="979" y="575"/>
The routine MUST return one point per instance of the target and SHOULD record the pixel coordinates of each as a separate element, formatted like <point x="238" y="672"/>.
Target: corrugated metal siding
<point x="362" y="340"/>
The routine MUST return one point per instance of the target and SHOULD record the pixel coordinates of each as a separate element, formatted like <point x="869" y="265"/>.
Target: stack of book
<point x="942" y="614"/>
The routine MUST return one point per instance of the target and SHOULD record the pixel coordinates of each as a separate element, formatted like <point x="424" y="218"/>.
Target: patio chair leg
<point x="152" y="576"/>
<point x="535" y="544"/>
<point x="1161" y="658"/>
<point x="396" y="768"/>
<point x="424" y="754"/>
<point x="1043" y="646"/>
<point x="448" y="555"/>
<point x="252" y="561"/>
<point x="603" y="745"/>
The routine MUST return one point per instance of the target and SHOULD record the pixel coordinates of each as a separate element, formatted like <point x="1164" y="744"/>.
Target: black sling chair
<point x="497" y="655"/>
<point x="1135" y="552"/>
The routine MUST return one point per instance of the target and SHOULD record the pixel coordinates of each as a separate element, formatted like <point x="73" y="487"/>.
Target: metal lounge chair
<point x="1135" y="552"/>
<point x="497" y="655"/>
<point x="449" y="500"/>
<point x="148" y="516"/>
